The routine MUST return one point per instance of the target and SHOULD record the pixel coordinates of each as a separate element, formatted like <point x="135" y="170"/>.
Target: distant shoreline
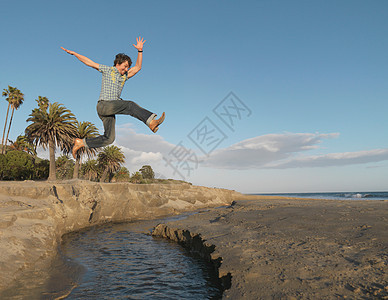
<point x="360" y="195"/>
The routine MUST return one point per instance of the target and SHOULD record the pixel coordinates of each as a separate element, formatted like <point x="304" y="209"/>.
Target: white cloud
<point x="141" y="149"/>
<point x="287" y="142"/>
<point x="43" y="153"/>
<point x="140" y="157"/>
<point x="129" y="138"/>
<point x="147" y="157"/>
<point x="286" y="150"/>
<point x="334" y="159"/>
<point x="260" y="151"/>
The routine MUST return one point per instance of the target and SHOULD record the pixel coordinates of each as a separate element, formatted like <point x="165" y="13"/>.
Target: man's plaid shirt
<point x="112" y="83"/>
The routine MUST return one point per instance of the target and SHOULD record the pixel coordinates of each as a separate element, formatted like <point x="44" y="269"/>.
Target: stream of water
<point x="118" y="261"/>
<point x="121" y="262"/>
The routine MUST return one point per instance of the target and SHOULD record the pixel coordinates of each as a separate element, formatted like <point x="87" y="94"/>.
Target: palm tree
<point x="5" y="94"/>
<point x="64" y="167"/>
<point x="52" y="127"/>
<point x="15" y="98"/>
<point x="85" y="130"/>
<point x="110" y="159"/>
<point x="90" y="169"/>
<point x="22" y="144"/>
<point x="43" y="102"/>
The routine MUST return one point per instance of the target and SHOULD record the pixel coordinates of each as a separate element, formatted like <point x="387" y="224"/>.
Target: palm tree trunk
<point x="76" y="168"/>
<point x="103" y="176"/>
<point x="5" y="126"/>
<point x="52" y="170"/>
<point x="10" y="123"/>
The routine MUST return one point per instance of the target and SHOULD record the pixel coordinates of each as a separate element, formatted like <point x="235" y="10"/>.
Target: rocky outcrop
<point x="196" y="245"/>
<point x="35" y="215"/>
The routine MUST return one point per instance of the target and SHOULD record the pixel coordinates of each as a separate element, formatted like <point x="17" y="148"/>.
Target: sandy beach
<point x="294" y="248"/>
<point x="263" y="247"/>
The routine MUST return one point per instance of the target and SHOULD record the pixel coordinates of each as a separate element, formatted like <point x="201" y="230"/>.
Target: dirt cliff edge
<point x="35" y="215"/>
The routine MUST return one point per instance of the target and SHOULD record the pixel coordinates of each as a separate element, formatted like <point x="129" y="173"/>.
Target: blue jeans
<point x="107" y="110"/>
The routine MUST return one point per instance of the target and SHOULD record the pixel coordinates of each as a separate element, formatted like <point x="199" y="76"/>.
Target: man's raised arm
<point x="139" y="46"/>
<point x="84" y="59"/>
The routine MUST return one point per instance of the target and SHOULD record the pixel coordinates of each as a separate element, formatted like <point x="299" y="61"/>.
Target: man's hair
<point x="120" y="58"/>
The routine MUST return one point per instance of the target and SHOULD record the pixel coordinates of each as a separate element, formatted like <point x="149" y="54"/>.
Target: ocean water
<point x="337" y="195"/>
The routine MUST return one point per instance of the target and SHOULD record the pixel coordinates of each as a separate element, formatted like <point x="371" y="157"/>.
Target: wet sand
<point x="295" y="248"/>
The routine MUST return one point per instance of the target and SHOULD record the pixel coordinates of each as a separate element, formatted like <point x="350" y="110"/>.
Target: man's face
<point x="123" y="68"/>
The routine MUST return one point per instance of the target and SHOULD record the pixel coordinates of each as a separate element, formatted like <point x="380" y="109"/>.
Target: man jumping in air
<point x="109" y="104"/>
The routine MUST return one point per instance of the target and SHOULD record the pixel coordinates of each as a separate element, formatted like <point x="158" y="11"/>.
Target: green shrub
<point x="42" y="167"/>
<point x="17" y="165"/>
<point x="3" y="165"/>
<point x="136" y="178"/>
<point x="147" y="172"/>
<point x="121" y="175"/>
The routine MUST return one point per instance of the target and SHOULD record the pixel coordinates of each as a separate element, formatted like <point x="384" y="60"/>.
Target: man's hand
<point x="140" y="42"/>
<point x="84" y="59"/>
<point x="68" y="51"/>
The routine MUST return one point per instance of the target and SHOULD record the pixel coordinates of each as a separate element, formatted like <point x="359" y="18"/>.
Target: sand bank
<point x="292" y="248"/>
<point x="35" y="215"/>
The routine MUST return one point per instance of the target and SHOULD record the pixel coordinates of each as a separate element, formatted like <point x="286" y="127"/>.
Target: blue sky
<point x="310" y="79"/>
